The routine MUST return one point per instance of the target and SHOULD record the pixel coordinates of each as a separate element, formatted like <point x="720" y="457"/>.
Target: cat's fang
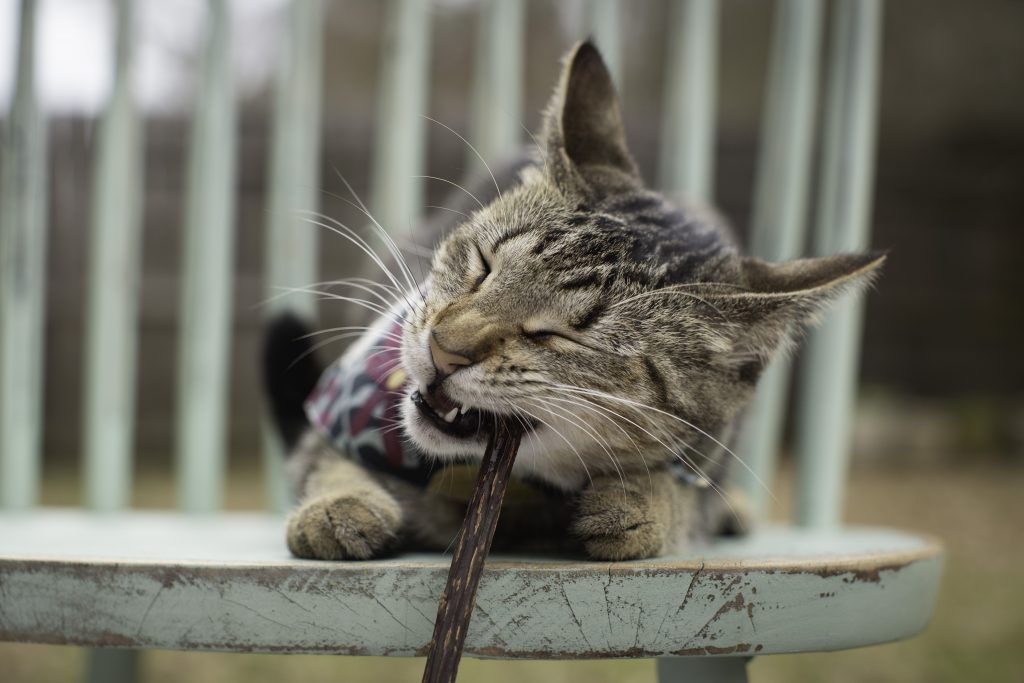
<point x="450" y="417"/>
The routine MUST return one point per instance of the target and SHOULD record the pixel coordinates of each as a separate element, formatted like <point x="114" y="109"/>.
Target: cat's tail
<point x="290" y="372"/>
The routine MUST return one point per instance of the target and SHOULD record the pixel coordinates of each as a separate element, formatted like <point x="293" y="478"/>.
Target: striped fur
<point x="628" y="330"/>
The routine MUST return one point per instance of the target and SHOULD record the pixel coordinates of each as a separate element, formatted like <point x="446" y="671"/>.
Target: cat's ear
<point x="780" y="299"/>
<point x="583" y="132"/>
<point x="810" y="282"/>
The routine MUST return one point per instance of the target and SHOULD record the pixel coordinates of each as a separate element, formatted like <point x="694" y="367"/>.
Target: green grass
<point x="977" y="633"/>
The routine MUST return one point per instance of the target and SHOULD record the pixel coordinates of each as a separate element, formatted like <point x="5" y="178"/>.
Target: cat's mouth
<point x="452" y="418"/>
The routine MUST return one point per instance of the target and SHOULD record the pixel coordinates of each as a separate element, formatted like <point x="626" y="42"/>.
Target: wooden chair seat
<point x="226" y="582"/>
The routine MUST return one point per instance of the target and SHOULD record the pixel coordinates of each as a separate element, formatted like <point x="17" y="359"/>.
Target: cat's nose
<point x="445" y="361"/>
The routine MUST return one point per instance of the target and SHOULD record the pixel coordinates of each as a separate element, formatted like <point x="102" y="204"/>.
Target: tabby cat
<point x="625" y="332"/>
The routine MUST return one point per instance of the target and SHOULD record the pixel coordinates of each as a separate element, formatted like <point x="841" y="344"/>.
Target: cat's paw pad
<point x="348" y="526"/>
<point x="620" y="526"/>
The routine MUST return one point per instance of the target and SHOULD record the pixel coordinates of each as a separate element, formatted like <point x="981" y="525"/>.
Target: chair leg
<point x="112" y="666"/>
<point x="702" y="669"/>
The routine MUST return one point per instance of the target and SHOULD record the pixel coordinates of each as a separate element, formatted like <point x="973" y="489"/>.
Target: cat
<point x="624" y="332"/>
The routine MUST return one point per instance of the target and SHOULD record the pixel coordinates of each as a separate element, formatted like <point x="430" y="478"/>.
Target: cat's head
<point x="615" y="324"/>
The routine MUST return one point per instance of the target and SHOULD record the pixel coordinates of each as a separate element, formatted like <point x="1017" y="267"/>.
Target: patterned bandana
<point x="355" y="406"/>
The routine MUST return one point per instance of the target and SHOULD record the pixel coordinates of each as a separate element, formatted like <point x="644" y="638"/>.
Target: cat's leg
<point x="344" y="513"/>
<point x="636" y="516"/>
<point x="349" y="512"/>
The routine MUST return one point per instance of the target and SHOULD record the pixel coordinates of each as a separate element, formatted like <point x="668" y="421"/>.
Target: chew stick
<point x="474" y="542"/>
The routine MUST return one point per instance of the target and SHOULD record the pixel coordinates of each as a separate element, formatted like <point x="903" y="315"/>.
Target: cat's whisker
<point x="355" y="331"/>
<point x="448" y="209"/>
<point x="597" y="406"/>
<point x="453" y="184"/>
<point x="329" y="296"/>
<point x="384" y="306"/>
<point x="717" y="488"/>
<point x="532" y="436"/>
<point x="389" y="289"/>
<point x="593" y="435"/>
<point x="323" y="295"/>
<point x="661" y="442"/>
<point x="363" y="280"/>
<point x="524" y="416"/>
<point x="343" y="230"/>
<point x="358" y="329"/>
<point x="642" y="406"/>
<point x="378" y="350"/>
<point x="420" y="252"/>
<point x="682" y="458"/>
<point x="708" y="480"/>
<point x="636" y="407"/>
<point x="392" y="247"/>
<point x="557" y="433"/>
<point x="591" y="409"/>
<point x="524" y="422"/>
<point x="389" y="242"/>
<point x="639" y="406"/>
<point x="381" y="288"/>
<point x="386" y="294"/>
<point x="388" y="303"/>
<point x="390" y="429"/>
<point x="334" y="338"/>
<point x="579" y="423"/>
<point x="321" y="344"/>
<point x="471" y="147"/>
<point x="540" y="149"/>
<point x="283" y="292"/>
<point x="330" y="340"/>
<point x="391" y="422"/>
<point x="350" y="234"/>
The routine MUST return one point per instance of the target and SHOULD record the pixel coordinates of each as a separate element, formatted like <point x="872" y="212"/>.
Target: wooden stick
<point x="474" y="542"/>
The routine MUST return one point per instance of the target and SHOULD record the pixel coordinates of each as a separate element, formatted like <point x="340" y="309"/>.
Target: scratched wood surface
<point x="226" y="582"/>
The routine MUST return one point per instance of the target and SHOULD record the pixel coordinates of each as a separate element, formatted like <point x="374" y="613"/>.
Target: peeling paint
<point x="536" y="607"/>
<point x="738" y="648"/>
<point x="871" y="574"/>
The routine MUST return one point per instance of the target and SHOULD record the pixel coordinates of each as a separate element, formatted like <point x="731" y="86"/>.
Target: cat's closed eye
<point x="483" y="267"/>
<point x="541" y="335"/>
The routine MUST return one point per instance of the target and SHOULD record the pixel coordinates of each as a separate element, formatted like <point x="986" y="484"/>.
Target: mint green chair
<point x="121" y="581"/>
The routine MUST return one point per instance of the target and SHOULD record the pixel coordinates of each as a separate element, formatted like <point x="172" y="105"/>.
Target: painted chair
<point x="120" y="581"/>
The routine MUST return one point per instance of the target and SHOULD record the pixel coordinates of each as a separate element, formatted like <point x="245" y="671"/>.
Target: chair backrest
<point x="688" y="135"/>
<point x="841" y="222"/>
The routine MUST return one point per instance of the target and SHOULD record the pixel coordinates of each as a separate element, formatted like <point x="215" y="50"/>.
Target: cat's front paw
<point x="353" y="525"/>
<point x="623" y="522"/>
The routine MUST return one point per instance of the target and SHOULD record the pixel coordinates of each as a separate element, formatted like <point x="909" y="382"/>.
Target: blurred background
<point x="939" y="429"/>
